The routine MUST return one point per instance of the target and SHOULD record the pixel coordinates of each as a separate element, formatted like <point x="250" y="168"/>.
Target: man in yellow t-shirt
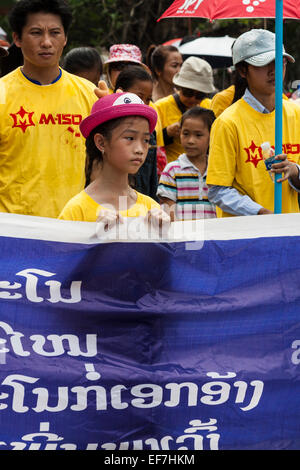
<point x="238" y="181"/>
<point x="42" y="153"/>
<point x="194" y="82"/>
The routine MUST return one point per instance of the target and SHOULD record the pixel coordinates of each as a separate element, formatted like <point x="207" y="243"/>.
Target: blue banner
<point x="142" y="345"/>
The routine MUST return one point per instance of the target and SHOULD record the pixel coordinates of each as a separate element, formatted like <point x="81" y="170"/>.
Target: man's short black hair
<point x="18" y="15"/>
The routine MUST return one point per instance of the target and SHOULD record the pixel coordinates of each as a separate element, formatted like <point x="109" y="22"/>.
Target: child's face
<point x="194" y="137"/>
<point x="143" y="89"/>
<point x="127" y="148"/>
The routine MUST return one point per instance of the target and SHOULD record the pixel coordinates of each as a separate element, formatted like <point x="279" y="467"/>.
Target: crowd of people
<point x="91" y="139"/>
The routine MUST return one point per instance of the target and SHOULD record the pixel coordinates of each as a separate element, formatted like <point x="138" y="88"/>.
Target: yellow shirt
<point x="83" y="208"/>
<point x="42" y="153"/>
<point x="169" y="113"/>
<point x="235" y="157"/>
<point x="222" y="100"/>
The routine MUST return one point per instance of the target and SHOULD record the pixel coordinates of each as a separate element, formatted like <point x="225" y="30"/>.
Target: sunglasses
<point x="189" y="93"/>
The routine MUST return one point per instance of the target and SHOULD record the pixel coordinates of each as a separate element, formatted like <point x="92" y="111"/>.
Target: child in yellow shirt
<point x="117" y="136"/>
<point x="194" y="83"/>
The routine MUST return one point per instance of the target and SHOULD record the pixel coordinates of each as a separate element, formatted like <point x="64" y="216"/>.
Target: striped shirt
<point x="182" y="182"/>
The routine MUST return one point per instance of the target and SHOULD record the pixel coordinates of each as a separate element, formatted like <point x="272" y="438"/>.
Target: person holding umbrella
<point x="238" y="181"/>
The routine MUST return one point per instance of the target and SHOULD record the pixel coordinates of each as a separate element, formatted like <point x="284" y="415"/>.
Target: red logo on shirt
<point x="254" y="154"/>
<point x="22" y="119"/>
<point x="64" y="119"/>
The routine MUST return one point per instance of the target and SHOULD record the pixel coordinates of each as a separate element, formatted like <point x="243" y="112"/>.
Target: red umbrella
<point x="224" y="9"/>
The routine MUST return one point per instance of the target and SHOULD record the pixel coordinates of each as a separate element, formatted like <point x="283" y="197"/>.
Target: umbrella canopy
<point x="225" y="9"/>
<point x="233" y="9"/>
<point x="215" y="50"/>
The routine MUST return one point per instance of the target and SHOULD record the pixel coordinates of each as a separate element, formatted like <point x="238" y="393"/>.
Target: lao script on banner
<point x="116" y="346"/>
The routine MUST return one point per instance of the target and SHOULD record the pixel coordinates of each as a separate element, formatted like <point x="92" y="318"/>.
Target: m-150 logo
<point x="255" y="155"/>
<point x="24" y="119"/>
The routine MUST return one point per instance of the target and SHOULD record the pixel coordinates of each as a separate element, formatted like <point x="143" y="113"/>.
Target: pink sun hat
<point x="124" y="53"/>
<point x="115" y="106"/>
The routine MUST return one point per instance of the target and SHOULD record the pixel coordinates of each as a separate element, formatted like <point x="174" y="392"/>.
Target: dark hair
<point x="18" y="15"/>
<point x="207" y="115"/>
<point x="240" y="83"/>
<point x="156" y="57"/>
<point x="93" y="154"/>
<point x="82" y="58"/>
<point x="129" y="76"/>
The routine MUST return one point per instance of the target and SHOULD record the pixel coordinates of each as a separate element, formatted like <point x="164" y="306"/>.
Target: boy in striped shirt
<point x="182" y="189"/>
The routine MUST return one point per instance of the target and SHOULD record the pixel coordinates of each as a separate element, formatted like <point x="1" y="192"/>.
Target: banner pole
<point x="278" y="100"/>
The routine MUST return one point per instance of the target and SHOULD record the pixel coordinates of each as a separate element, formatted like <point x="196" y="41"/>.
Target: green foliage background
<point x="101" y="23"/>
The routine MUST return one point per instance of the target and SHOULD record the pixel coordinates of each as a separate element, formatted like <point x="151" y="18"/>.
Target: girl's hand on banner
<point x="159" y="220"/>
<point x="109" y="219"/>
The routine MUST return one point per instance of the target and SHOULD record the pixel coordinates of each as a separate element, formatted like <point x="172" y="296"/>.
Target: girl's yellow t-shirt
<point x="83" y="208"/>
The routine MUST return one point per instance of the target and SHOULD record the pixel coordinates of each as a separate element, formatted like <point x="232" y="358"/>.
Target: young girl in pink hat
<point x="117" y="136"/>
